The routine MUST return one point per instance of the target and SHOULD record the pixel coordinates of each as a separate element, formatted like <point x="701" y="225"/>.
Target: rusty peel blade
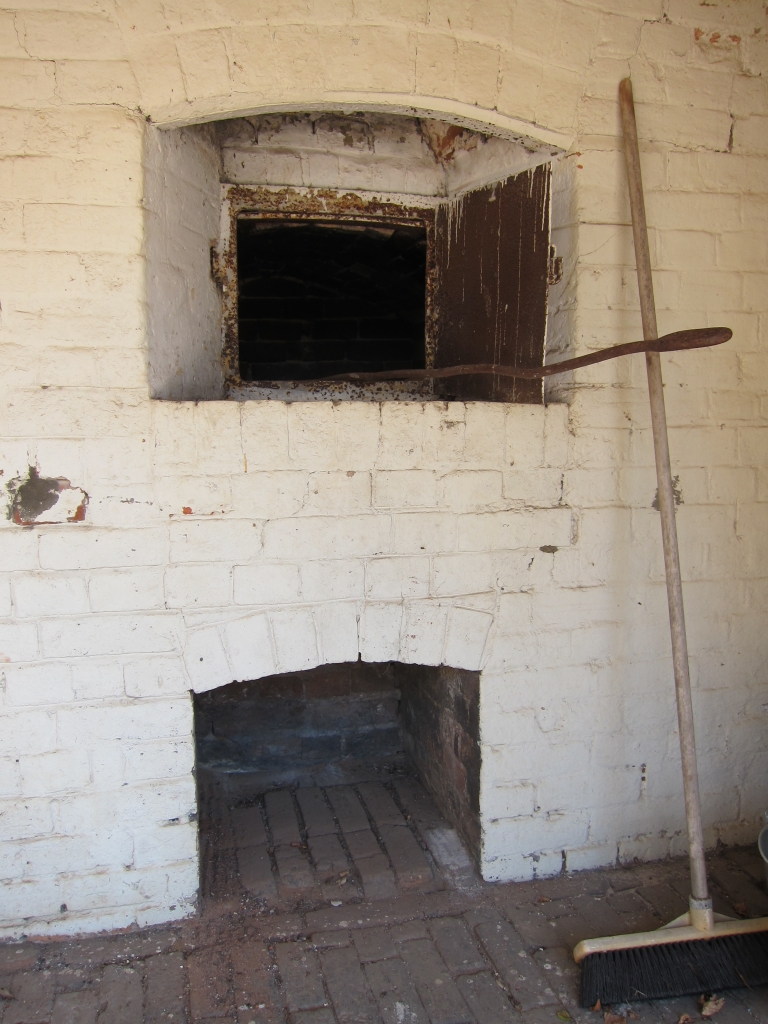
<point x="675" y="342"/>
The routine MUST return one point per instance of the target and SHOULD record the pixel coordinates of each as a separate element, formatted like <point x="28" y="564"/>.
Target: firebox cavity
<point x="349" y="723"/>
<point x="317" y="298"/>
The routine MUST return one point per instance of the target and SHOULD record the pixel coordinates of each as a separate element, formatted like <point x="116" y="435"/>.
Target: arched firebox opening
<point x="346" y="781"/>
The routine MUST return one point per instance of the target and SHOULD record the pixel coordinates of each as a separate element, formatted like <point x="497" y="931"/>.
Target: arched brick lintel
<point x="292" y="639"/>
<point x="468" y="115"/>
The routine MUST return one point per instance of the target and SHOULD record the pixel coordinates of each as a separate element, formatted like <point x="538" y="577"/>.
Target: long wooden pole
<point x="699" y="889"/>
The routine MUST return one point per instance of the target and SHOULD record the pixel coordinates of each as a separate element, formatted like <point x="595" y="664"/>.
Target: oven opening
<point x="345" y="782"/>
<point x="318" y="298"/>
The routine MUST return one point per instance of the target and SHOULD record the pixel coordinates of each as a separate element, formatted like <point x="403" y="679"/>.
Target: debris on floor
<point x="359" y="923"/>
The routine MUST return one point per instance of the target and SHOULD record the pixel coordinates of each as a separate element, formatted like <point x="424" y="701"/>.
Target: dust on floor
<point x="354" y="904"/>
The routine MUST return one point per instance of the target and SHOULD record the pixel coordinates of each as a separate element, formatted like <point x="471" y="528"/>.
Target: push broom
<point x="700" y="951"/>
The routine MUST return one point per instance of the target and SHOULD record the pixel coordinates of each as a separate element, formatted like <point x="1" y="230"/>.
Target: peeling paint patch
<point x="38" y="500"/>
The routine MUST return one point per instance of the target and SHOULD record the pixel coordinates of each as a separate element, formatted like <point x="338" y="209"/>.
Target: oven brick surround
<point x="520" y="541"/>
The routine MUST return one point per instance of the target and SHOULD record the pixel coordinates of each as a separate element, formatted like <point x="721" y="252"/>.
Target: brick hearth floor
<point x="354" y="904"/>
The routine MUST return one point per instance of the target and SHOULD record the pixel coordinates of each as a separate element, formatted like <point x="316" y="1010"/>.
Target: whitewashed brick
<point x="126" y="590"/>
<point x="198" y="586"/>
<point x="533" y="488"/>
<point x="116" y="460"/>
<point x="27" y="82"/>
<point x="5" y="597"/>
<point x="515" y="613"/>
<point x="337" y="628"/>
<point x="227" y="540"/>
<point x="154" y="677"/>
<point x="33" y="685"/>
<point x="327" y="537"/>
<point x="123" y="507"/>
<point x="509" y="801"/>
<point x="404" y="488"/>
<point x="484" y="440"/>
<point x="312" y="436"/>
<point x="95" y="679"/>
<point x="217" y="438"/>
<point x="515" y="867"/>
<point x="541" y="832"/>
<point x="76" y="34"/>
<point x="206" y="659"/>
<point x="96" y="81"/>
<point x="338" y="493"/>
<point x="33" y="732"/>
<point x="44" y="775"/>
<point x="465" y="639"/>
<point x="86" y="548"/>
<point x="453" y="575"/>
<point x="18" y="641"/>
<point x="194" y="495"/>
<point x="643" y="848"/>
<point x="18" y="549"/>
<point x="158" y="847"/>
<point x="124" y="722"/>
<point x="164" y="759"/>
<point x="25" y="819"/>
<point x="425" y="531"/>
<point x="332" y="581"/>
<point x="388" y="579"/>
<point x="109" y="634"/>
<point x="499" y="530"/>
<point x="264" y="428"/>
<point x="401" y="433"/>
<point x="72" y="412"/>
<point x="525" y="436"/>
<point x="45" y="594"/>
<point x="270" y="583"/>
<point x="423" y="633"/>
<point x="10" y="779"/>
<point x="586" y="488"/>
<point x="269" y="495"/>
<point x="249" y="648"/>
<point x="295" y="639"/>
<point x="591" y="857"/>
<point x="468" y="490"/>
<point x="380" y="626"/>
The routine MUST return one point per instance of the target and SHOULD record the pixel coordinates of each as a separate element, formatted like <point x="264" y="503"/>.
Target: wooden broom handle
<point x="699" y="889"/>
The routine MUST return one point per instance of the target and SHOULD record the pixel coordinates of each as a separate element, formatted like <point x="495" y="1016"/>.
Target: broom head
<point x="675" y="960"/>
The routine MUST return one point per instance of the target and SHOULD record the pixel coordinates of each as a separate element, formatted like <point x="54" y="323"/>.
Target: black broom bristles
<point x="675" y="969"/>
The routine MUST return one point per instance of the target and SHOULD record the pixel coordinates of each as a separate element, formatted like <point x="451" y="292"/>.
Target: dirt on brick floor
<point x="483" y="954"/>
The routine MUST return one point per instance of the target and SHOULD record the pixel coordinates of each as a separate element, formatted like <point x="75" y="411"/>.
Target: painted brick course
<point x="231" y="540"/>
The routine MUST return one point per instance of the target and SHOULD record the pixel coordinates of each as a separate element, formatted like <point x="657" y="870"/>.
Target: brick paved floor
<point x="444" y="949"/>
<point x="295" y="847"/>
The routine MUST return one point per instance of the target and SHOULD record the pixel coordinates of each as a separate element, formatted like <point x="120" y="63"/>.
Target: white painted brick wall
<point x="233" y="540"/>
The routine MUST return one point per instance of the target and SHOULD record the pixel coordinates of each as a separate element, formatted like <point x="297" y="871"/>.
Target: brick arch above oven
<point x="294" y="639"/>
<point x="491" y="121"/>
